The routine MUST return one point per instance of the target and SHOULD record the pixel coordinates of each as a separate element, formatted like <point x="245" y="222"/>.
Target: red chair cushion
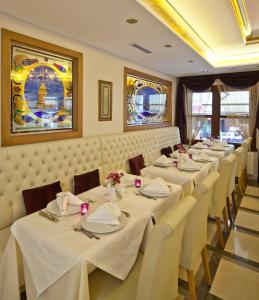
<point x="37" y="198"/>
<point x="167" y="151"/>
<point x="86" y="181"/>
<point x="136" y="164"/>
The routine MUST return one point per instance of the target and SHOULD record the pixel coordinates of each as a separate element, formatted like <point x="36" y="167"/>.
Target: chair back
<point x="240" y="153"/>
<point x="232" y="177"/>
<point x="222" y="188"/>
<point x="159" y="271"/>
<point x="136" y="164"/>
<point x="195" y="233"/>
<point x="167" y="151"/>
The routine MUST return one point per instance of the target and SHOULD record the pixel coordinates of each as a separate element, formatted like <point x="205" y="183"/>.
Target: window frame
<point x="216" y="112"/>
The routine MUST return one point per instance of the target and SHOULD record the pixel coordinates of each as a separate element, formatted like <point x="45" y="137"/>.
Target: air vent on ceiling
<point x="141" y="48"/>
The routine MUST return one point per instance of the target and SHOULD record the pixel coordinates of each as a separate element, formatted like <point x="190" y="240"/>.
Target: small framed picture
<point x="105" y="100"/>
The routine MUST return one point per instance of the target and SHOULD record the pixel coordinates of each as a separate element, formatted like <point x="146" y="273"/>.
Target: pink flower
<point x="114" y="177"/>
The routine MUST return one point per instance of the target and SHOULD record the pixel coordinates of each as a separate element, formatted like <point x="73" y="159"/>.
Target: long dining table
<point x="186" y="178"/>
<point x="57" y="259"/>
<point x="216" y="151"/>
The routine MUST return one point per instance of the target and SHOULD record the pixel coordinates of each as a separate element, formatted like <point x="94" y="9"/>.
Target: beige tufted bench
<point x="27" y="166"/>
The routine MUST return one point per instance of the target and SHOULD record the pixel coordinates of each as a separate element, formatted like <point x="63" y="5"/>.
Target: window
<point x="224" y="115"/>
<point x="201" y="115"/>
<point x="234" y="113"/>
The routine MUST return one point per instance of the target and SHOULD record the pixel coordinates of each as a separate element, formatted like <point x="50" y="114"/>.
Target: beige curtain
<point x="242" y="128"/>
<point x="254" y="100"/>
<point x="194" y="122"/>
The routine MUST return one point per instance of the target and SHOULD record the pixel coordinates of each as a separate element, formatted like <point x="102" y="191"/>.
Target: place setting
<point x="156" y="188"/>
<point x="163" y="162"/>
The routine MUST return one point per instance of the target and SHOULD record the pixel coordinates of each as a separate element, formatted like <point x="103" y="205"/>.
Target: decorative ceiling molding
<point x="167" y="14"/>
<point x="240" y="11"/>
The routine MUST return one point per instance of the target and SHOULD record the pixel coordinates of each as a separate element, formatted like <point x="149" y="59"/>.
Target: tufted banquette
<point x="26" y="166"/>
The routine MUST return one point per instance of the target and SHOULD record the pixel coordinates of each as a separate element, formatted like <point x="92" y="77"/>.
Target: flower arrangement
<point x="114" y="178"/>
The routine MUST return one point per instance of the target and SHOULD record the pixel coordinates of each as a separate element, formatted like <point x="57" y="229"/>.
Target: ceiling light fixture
<point x="146" y="51"/>
<point x="132" y="21"/>
<point x="166" y="12"/>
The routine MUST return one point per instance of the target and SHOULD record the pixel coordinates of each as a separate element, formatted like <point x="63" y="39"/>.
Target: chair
<point x="155" y="274"/>
<point x="136" y="164"/>
<point x="240" y="153"/>
<point x="247" y="147"/>
<point x="86" y="181"/>
<point x="232" y="187"/>
<point x="167" y="151"/>
<point x="37" y="198"/>
<point x="195" y="233"/>
<point x="218" y="204"/>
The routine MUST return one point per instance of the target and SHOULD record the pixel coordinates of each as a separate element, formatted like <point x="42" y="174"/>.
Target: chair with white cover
<point x="247" y="146"/>
<point x="155" y="274"/>
<point x="232" y="186"/>
<point x="240" y="152"/>
<point x="221" y="189"/>
<point x="195" y="233"/>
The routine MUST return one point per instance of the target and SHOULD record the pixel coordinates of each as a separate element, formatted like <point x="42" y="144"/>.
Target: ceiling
<point x="102" y="24"/>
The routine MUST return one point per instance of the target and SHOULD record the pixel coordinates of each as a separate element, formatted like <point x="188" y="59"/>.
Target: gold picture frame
<point x="41" y="90"/>
<point x="105" y="100"/>
<point x="147" y="101"/>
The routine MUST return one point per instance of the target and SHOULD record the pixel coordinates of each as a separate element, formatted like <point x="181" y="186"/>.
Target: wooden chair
<point x="195" y="233"/>
<point x="155" y="274"/>
<point x="218" y="206"/>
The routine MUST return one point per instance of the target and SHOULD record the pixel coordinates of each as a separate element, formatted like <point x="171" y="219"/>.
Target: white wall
<point x="97" y="65"/>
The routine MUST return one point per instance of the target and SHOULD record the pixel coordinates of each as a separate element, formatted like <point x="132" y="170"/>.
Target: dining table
<point x="188" y="179"/>
<point x="58" y="258"/>
<point x="217" y="150"/>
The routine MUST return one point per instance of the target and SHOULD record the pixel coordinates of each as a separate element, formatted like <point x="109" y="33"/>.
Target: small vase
<point x="113" y="194"/>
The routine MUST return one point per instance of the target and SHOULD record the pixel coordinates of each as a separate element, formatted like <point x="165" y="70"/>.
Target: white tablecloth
<point x="214" y="153"/>
<point x="56" y="257"/>
<point x="184" y="178"/>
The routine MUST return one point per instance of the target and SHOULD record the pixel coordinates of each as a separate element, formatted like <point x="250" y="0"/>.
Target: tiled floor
<point x="235" y="270"/>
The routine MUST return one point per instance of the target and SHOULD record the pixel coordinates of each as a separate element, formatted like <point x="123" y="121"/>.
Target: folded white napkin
<point x="108" y="213"/>
<point x="203" y="156"/>
<point x="218" y="147"/>
<point x="62" y="202"/>
<point x="156" y="186"/>
<point x="73" y="200"/>
<point x="189" y="164"/>
<point x="163" y="160"/>
<point x="223" y="144"/>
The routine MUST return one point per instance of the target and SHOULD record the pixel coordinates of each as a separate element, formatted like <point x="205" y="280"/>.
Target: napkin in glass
<point x="108" y="214"/>
<point x="156" y="187"/>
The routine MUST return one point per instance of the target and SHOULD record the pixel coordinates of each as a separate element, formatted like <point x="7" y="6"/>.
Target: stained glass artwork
<point x="147" y="102"/>
<point x="41" y="90"/>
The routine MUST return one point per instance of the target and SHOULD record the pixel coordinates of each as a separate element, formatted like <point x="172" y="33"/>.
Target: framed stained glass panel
<point x="147" y="101"/>
<point x="42" y="90"/>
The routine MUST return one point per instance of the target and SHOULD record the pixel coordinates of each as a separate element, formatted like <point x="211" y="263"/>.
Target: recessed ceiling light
<point x="167" y="45"/>
<point x="190" y="61"/>
<point x="132" y="21"/>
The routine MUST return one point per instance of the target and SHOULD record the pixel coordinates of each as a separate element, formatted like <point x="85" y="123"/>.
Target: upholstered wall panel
<point x="23" y="167"/>
<point x="27" y="166"/>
